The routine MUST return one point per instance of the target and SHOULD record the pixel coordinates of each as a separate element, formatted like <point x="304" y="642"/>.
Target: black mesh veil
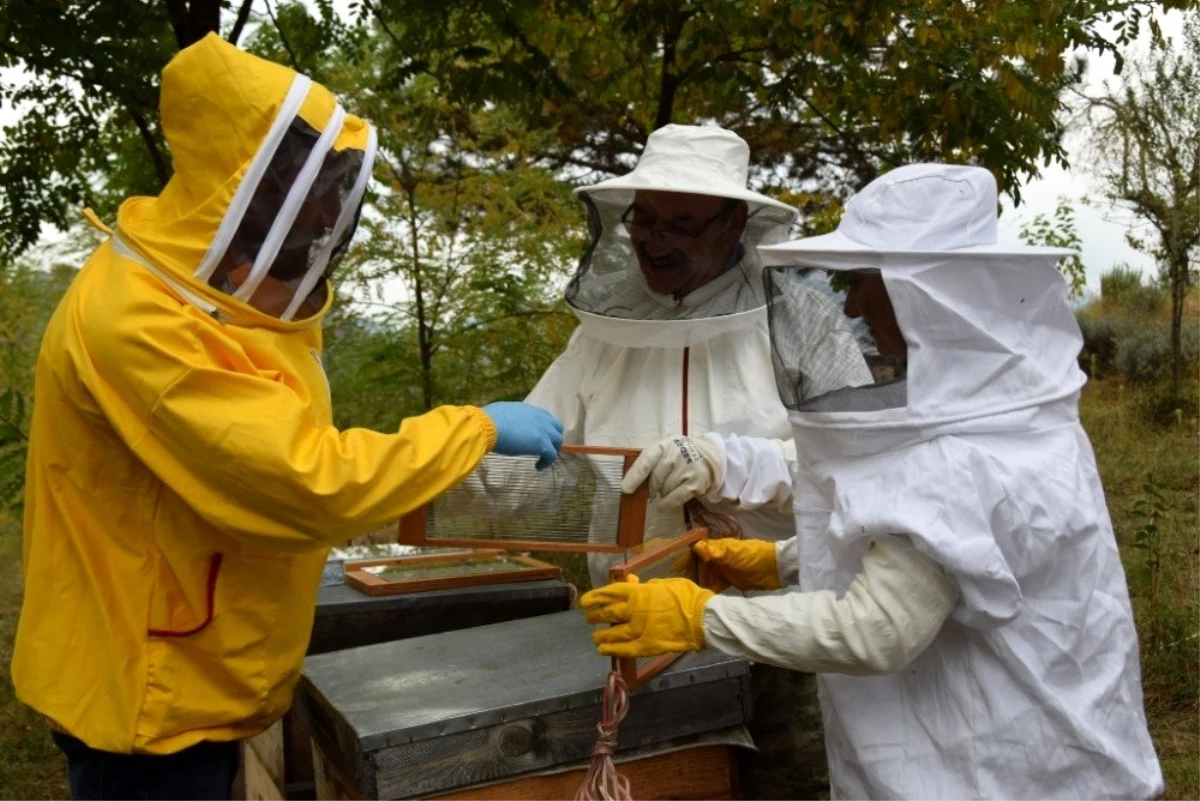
<point x="608" y="280"/>
<point x="313" y="227"/>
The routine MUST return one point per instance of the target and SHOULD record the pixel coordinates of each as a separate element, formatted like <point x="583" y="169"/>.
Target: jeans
<point x="204" y="771"/>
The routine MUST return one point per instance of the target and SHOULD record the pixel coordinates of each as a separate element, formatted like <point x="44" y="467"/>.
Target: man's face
<point x="867" y="298"/>
<point x="683" y="241"/>
<point x="273" y="295"/>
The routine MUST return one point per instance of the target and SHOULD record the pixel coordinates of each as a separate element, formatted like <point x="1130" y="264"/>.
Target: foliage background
<point x="491" y="112"/>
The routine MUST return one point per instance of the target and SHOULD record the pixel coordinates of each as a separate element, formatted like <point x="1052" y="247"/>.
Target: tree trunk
<point x="161" y="170"/>
<point x="669" y="82"/>
<point x="1179" y="280"/>
<point x="240" y="22"/>
<point x="425" y="341"/>
<point x="193" y="19"/>
<point x="424" y="333"/>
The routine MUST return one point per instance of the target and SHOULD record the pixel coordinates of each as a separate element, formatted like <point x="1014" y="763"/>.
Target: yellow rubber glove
<point x="745" y="564"/>
<point x="658" y="617"/>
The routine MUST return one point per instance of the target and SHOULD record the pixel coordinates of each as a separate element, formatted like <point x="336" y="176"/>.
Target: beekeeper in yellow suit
<point x="185" y="478"/>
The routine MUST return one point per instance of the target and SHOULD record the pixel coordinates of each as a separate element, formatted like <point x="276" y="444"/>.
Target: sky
<point x="1101" y="229"/>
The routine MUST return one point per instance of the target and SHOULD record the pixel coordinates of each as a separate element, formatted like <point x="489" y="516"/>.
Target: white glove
<point x="679" y="469"/>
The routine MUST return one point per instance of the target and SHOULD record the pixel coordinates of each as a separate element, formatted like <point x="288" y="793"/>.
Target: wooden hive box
<point x="278" y="763"/>
<point x="347" y="618"/>
<point x="502" y="704"/>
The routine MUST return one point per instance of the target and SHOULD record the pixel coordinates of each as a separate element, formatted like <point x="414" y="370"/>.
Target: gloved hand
<point x="679" y="468"/>
<point x="525" y="430"/>
<point x="657" y="617"/>
<point x="746" y="564"/>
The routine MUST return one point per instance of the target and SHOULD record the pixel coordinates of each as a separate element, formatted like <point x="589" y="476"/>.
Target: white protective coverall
<point x="954" y="546"/>
<point x="642" y="366"/>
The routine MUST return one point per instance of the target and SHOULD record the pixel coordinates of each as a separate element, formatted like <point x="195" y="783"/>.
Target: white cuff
<point x="787" y="561"/>
<point x="890" y="614"/>
<point x="757" y="472"/>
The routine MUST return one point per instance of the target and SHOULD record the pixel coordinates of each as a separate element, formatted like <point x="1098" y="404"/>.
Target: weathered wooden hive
<point x="347" y="618"/>
<point x="510" y="711"/>
<point x="278" y="763"/>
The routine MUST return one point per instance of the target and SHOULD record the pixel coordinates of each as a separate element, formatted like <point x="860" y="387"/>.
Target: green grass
<point x="30" y="765"/>
<point x="1130" y="452"/>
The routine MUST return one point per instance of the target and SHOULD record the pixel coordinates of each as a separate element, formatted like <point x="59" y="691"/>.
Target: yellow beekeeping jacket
<point x="185" y="479"/>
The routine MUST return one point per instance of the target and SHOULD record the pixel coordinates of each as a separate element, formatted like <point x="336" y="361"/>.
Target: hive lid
<point x="341" y="599"/>
<point x="402" y="692"/>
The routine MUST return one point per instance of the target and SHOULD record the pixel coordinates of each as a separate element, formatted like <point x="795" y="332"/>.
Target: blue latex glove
<point x="525" y="430"/>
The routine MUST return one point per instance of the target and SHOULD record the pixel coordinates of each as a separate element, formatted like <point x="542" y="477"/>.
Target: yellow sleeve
<point x="245" y="452"/>
<point x="242" y="452"/>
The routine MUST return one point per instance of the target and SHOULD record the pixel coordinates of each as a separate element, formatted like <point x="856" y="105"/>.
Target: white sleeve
<point x="758" y="472"/>
<point x="890" y="614"/>
<point x="560" y="390"/>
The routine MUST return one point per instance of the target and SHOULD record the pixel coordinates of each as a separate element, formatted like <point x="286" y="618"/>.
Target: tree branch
<point x="450" y="274"/>
<point x="375" y="12"/>
<point x="282" y="37"/>
<point x="177" y="11"/>
<point x="392" y="307"/>
<point x="669" y="82"/>
<point x="240" y="23"/>
<point x="580" y="161"/>
<point x="728" y="57"/>
<point x="53" y="69"/>
<point x="540" y="59"/>
<point x="513" y="315"/>
<point x="122" y="96"/>
<point x="161" y="171"/>
<point x="205" y="19"/>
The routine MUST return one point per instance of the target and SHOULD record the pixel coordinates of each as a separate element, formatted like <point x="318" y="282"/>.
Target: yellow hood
<point x="218" y="105"/>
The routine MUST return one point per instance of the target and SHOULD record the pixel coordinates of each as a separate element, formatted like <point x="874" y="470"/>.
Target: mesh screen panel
<point x="406" y="574"/>
<point x="483" y="565"/>
<point x="575" y="504"/>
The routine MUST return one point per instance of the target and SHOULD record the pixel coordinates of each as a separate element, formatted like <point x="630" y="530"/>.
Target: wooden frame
<point x="701" y="771"/>
<point x="631" y="519"/>
<point x="357" y="576"/>
<point x="635" y="676"/>
<point x="685" y="541"/>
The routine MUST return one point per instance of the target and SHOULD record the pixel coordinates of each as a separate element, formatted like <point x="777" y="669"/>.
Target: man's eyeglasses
<point x="676" y="237"/>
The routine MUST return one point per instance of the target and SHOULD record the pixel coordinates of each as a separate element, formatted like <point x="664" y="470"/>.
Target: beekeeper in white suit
<point x="672" y="340"/>
<point x="962" y="594"/>
<point x="672" y="344"/>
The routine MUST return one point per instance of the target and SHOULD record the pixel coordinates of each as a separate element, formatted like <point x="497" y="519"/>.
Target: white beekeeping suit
<point x="642" y="365"/>
<point x="962" y="593"/>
